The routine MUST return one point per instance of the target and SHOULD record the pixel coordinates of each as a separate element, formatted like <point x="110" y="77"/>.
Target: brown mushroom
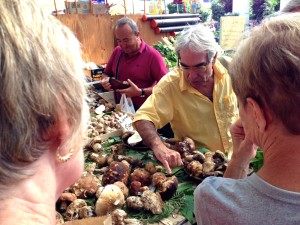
<point x="117" y="171"/>
<point x="167" y="188"/>
<point x="135" y="187"/>
<point x="134" y="202"/>
<point x="123" y="187"/>
<point x="86" y="186"/>
<point x="194" y="168"/>
<point x="99" y="159"/>
<point x="118" y="217"/>
<point x="152" y="201"/>
<point x="72" y="212"/>
<point x="150" y="167"/>
<point x="158" y="178"/>
<point x="208" y="165"/>
<point x="141" y="175"/>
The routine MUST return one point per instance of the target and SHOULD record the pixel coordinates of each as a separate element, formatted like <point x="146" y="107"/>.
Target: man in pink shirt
<point x="134" y="61"/>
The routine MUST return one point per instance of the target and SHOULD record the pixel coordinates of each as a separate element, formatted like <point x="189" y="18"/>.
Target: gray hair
<point x="198" y="38"/>
<point x="291" y="6"/>
<point x="125" y="20"/>
<point x="41" y="77"/>
<point x="266" y="68"/>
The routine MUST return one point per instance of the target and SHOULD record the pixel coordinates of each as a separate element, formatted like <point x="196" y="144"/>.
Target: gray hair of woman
<point x="125" y="20"/>
<point x="292" y="6"/>
<point x="41" y="76"/>
<point x="197" y="38"/>
<point x="266" y="67"/>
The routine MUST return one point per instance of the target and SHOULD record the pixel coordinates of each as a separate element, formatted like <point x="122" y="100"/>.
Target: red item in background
<point x="177" y="2"/>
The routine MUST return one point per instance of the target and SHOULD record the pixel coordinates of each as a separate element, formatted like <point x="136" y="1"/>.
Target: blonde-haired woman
<point x="43" y="113"/>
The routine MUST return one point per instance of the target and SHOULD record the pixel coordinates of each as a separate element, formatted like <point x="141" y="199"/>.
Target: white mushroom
<point x="110" y="198"/>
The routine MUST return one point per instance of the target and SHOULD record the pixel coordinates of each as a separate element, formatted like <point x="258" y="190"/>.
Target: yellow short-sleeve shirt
<point x="192" y="114"/>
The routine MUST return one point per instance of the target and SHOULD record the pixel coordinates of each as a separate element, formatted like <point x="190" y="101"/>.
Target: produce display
<point x="129" y="183"/>
<point x="166" y="49"/>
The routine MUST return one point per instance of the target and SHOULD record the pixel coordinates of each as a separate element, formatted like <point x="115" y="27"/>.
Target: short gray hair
<point x="198" y="38"/>
<point x="291" y="5"/>
<point x="125" y="20"/>
<point x="266" y="68"/>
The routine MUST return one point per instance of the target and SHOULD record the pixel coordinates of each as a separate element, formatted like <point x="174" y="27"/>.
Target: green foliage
<point x="203" y="150"/>
<point x="187" y="210"/>
<point x="182" y="201"/>
<point x="205" y="13"/>
<point x="179" y="173"/>
<point x="259" y="9"/>
<point x="174" y="7"/>
<point x="168" y="54"/>
<point x="145" y="156"/>
<point x="218" y="10"/>
<point x="258" y="161"/>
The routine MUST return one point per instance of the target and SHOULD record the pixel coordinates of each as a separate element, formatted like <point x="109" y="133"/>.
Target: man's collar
<point x="142" y="47"/>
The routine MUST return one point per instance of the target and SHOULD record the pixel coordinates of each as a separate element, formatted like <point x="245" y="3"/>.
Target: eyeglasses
<point x="197" y="68"/>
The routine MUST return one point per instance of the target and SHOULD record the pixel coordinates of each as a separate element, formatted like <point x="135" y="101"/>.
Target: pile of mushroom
<point x="102" y="124"/>
<point x="95" y="101"/>
<point x="116" y="182"/>
<point x="197" y="164"/>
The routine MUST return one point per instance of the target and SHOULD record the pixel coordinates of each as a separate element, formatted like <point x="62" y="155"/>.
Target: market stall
<point x="123" y="179"/>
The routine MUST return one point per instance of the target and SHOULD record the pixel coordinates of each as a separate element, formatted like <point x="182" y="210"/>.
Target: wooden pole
<point x="76" y="7"/>
<point x="67" y="7"/>
<point x="55" y="8"/>
<point x="124" y="7"/>
<point x="91" y="6"/>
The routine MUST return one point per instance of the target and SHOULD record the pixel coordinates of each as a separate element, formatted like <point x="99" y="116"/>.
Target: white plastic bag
<point x="127" y="105"/>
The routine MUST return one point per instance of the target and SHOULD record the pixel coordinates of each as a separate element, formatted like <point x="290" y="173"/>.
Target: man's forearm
<point x="148" y="132"/>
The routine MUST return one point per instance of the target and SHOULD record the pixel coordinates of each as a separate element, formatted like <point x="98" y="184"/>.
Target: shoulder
<point x="218" y="186"/>
<point x="171" y="78"/>
<point x="220" y="69"/>
<point x="168" y="82"/>
<point x="150" y="50"/>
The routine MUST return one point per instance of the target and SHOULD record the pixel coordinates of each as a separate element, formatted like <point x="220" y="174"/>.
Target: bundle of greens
<point x="166" y="49"/>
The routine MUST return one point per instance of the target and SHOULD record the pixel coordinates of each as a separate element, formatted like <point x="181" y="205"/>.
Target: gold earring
<point x="63" y="158"/>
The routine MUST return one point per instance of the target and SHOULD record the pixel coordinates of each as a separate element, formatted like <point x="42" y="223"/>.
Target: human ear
<point x="57" y="132"/>
<point x="258" y="114"/>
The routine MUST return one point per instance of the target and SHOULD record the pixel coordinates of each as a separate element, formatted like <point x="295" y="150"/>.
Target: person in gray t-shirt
<point x="266" y="79"/>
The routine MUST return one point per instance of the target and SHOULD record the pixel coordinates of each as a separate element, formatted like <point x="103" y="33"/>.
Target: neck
<point x="31" y="201"/>
<point x="21" y="212"/>
<point x="28" y="210"/>
<point x="282" y="163"/>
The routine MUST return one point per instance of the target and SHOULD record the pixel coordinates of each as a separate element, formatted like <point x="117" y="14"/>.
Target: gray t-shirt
<point x="245" y="201"/>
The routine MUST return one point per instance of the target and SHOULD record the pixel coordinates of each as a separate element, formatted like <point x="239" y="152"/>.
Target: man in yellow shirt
<point x="196" y="98"/>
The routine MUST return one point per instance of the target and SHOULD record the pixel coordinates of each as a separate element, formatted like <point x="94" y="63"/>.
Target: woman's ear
<point x="58" y="132"/>
<point x="258" y="114"/>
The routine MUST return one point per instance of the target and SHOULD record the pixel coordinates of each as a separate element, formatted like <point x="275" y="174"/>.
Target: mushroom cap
<point x="110" y="198"/>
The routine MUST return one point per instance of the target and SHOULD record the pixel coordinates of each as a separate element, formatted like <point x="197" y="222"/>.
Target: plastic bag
<point x="126" y="104"/>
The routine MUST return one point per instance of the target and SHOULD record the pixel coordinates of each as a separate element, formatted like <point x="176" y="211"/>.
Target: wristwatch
<point x="143" y="93"/>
